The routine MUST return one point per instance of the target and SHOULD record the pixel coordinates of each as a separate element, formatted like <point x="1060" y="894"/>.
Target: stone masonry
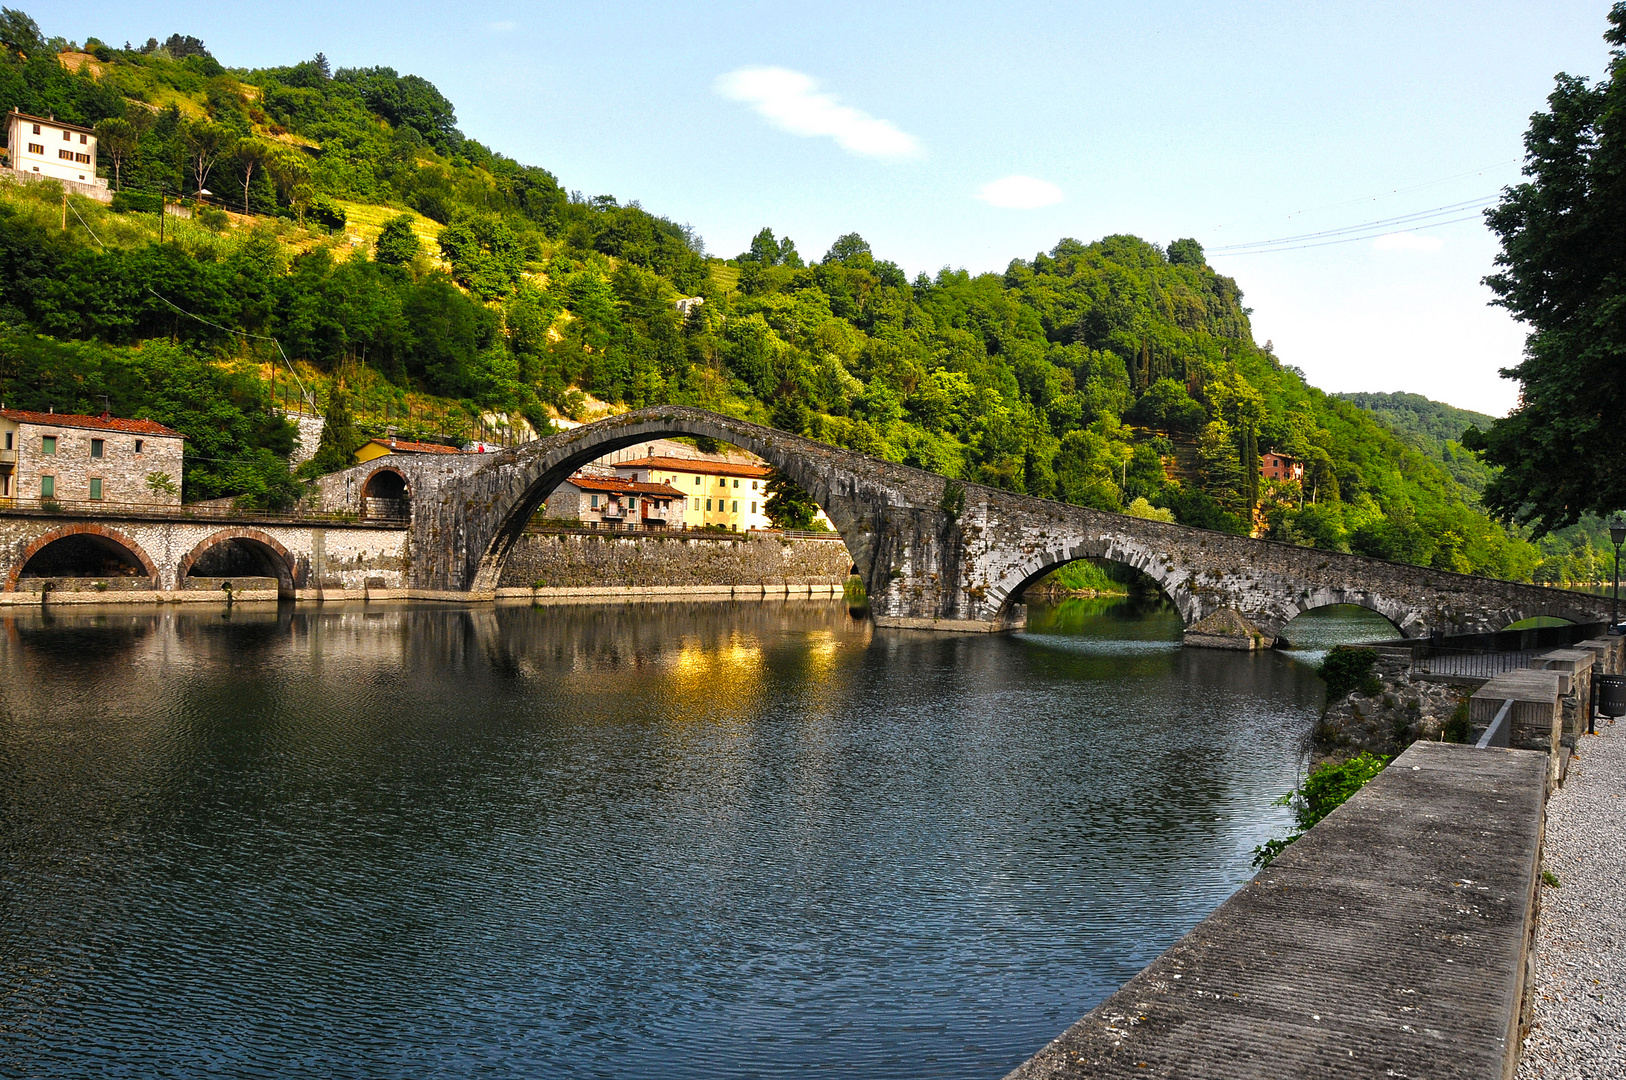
<point x="936" y="553"/>
<point x="582" y="558"/>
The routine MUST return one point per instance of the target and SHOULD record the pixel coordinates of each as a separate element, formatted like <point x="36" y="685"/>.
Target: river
<point x="675" y="840"/>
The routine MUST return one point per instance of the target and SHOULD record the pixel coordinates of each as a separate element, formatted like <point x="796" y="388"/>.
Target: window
<point x="95" y="488"/>
<point x="632" y="504"/>
<point x="736" y="483"/>
<point x="84" y="138"/>
<point x="8" y="441"/>
<point x="736" y="506"/>
<point x="48" y="444"/>
<point x="83" y="159"/>
<point x="65" y="155"/>
<point x="697" y="481"/>
<point x="36" y="129"/>
<point x="753" y="485"/>
<point x="138" y="446"/>
<point x="47" y="487"/>
<point x="67" y="136"/>
<point x="594" y="503"/>
<point x="753" y="508"/>
<point x="97" y="446"/>
<point x="36" y="148"/>
<point x="708" y="506"/>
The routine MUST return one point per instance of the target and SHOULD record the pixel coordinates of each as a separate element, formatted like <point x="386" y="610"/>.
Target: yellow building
<point x="722" y="494"/>
<point x="373" y="449"/>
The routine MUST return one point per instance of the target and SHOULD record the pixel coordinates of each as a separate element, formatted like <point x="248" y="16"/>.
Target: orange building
<point x="1280" y="467"/>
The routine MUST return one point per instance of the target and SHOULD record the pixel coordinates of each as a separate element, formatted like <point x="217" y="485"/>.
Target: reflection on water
<point x="673" y="840"/>
<point x="1311" y="634"/>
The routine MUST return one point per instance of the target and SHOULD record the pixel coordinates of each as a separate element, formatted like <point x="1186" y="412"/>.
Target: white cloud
<point x="791" y="102"/>
<point x="1405" y="241"/>
<point x="1020" y="193"/>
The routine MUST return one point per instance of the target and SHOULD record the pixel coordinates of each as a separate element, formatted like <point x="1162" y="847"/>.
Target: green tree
<point x="205" y="142"/>
<point x="20" y="34"/>
<point x="1562" y="452"/>
<point x="397" y="244"/>
<point x="340" y="436"/>
<point x="484" y="252"/>
<point x="250" y="154"/>
<point x="116" y="140"/>
<point x="789" y="505"/>
<point x="1186" y="253"/>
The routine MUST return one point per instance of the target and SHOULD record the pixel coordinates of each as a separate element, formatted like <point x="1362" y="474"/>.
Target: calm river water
<point x="710" y="840"/>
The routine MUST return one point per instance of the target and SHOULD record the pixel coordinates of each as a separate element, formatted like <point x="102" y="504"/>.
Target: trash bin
<point x="1609" y="692"/>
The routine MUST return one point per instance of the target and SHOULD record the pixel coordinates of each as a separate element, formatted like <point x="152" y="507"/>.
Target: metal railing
<point x="190" y="512"/>
<point x="1475" y="665"/>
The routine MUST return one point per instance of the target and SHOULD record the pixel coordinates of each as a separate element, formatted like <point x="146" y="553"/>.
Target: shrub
<point x="1329" y="786"/>
<point x="137" y="202"/>
<point x="211" y="217"/>
<point x="1458" y="727"/>
<point x="1347" y="668"/>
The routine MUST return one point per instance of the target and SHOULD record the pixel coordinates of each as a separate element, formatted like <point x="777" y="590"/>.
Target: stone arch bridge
<point x="934" y="553"/>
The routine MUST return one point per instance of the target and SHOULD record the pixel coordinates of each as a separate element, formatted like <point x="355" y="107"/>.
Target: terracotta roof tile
<point x="407" y="446"/>
<point x="628" y="487"/>
<point x="95" y="423"/>
<point x="697" y="465"/>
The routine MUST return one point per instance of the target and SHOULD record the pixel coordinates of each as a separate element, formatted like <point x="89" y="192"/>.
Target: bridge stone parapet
<point x="937" y="553"/>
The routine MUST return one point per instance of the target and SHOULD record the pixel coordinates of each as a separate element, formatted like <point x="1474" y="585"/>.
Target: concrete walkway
<point x="1579" y="1027"/>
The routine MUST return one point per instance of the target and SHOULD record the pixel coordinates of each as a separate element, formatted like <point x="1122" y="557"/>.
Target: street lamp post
<point x="1617" y="535"/>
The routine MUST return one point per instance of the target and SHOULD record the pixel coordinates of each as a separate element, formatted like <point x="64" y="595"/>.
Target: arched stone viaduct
<point x="934" y="553"/>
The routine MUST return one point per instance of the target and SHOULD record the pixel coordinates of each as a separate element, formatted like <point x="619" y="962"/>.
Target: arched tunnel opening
<point x="237" y="558"/>
<point x="1323" y="627"/>
<point x="1100" y="596"/>
<point x="84" y="555"/>
<point x="385" y="495"/>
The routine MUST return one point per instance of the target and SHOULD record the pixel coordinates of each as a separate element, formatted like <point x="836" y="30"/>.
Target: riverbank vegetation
<point x="1328" y="787"/>
<point x="368" y="239"/>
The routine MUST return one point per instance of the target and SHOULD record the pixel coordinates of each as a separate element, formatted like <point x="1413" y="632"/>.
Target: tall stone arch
<point x="462" y="542"/>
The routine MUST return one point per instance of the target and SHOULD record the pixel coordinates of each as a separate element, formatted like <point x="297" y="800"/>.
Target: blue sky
<point x="1230" y="124"/>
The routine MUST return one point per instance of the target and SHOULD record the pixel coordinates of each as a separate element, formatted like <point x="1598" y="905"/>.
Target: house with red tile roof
<point x="614" y="502"/>
<point x="70" y="458"/>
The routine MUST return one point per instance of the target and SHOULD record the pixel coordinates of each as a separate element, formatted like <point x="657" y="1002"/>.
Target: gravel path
<point x="1580" y="1014"/>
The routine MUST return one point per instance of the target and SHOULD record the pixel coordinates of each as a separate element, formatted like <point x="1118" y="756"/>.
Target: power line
<point x="303" y="393"/>
<point x="1381" y="223"/>
<point x="1349" y="239"/>
<point x="1382" y="195"/>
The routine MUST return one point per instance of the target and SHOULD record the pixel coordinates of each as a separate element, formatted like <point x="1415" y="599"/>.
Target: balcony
<point x="8" y="457"/>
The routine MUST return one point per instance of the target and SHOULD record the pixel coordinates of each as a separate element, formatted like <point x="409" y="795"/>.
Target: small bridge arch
<point x="1030" y="572"/>
<point x="262" y="545"/>
<point x="86" y="538"/>
<point x="386" y="493"/>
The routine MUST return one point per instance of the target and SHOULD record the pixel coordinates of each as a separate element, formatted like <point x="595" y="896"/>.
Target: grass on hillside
<point x="364" y="221"/>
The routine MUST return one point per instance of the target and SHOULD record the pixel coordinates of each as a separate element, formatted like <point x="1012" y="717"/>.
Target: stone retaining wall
<point x="591" y="559"/>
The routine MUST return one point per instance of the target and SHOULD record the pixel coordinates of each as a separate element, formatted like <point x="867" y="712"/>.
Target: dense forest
<point x="444" y="285"/>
